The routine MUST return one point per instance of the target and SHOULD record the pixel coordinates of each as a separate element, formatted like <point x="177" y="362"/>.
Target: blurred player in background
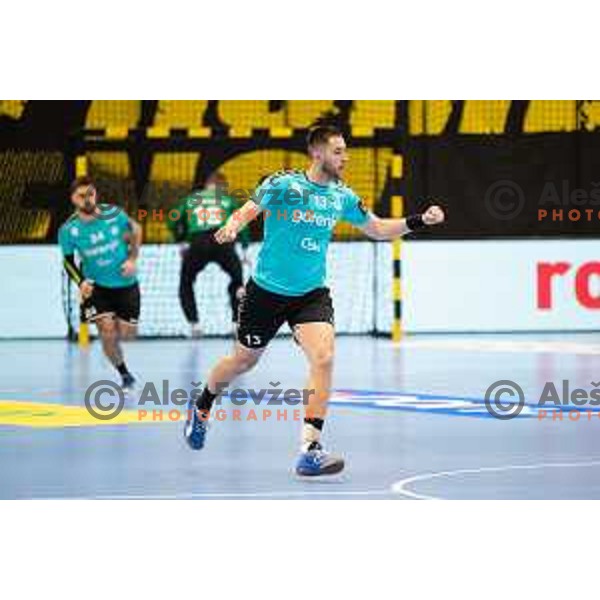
<point x="301" y="210"/>
<point x="201" y="213"/>
<point x="107" y="243"/>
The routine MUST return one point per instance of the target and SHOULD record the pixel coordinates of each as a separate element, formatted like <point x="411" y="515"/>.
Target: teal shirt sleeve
<point x="65" y="241"/>
<point x="355" y="212"/>
<point x="123" y="220"/>
<point x="269" y="192"/>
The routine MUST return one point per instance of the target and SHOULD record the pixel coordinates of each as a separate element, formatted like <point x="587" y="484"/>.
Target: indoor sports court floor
<point x="410" y="421"/>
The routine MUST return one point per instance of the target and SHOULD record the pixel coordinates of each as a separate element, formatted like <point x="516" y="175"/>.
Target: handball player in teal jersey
<point x="107" y="243"/>
<point x="301" y="209"/>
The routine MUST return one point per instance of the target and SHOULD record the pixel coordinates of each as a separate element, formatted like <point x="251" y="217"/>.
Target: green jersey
<point x="202" y="211"/>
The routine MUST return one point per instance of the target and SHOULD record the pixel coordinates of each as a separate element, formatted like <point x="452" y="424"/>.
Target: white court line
<point x="224" y="495"/>
<point x="518" y="346"/>
<point x="400" y="487"/>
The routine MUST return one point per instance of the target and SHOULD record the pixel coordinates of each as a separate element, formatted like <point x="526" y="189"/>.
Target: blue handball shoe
<point x="315" y="461"/>
<point x="195" y="427"/>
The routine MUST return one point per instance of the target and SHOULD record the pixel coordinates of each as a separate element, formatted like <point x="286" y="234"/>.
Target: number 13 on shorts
<point x="252" y="341"/>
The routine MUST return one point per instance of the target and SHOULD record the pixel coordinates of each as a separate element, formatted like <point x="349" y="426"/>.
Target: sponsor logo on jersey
<point x="310" y="244"/>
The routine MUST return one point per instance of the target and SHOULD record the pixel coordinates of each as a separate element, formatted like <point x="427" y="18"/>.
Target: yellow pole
<point x="397" y="211"/>
<point x="83" y="335"/>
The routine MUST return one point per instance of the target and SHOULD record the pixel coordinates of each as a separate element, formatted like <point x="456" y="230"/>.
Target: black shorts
<point x="123" y="302"/>
<point x="262" y="313"/>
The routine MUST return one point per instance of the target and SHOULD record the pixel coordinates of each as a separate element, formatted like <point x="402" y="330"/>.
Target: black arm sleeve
<point x="72" y="269"/>
<point x="415" y="222"/>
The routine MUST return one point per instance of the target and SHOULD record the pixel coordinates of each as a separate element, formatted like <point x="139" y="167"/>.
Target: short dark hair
<point x="79" y="182"/>
<point x="218" y="178"/>
<point x="321" y="134"/>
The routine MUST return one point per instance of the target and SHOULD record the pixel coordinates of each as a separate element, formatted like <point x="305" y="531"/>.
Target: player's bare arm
<point x="238" y="220"/>
<point x="135" y="242"/>
<point x="390" y="229"/>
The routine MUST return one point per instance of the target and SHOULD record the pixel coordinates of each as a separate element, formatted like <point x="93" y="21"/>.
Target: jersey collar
<point x="318" y="185"/>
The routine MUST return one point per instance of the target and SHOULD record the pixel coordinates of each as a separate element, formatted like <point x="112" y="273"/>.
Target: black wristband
<point x="414" y="222"/>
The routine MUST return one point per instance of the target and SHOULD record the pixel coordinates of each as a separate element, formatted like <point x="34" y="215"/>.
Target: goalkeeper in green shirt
<point x="201" y="214"/>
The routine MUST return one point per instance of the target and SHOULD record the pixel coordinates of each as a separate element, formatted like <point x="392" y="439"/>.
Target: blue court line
<point x="399" y="401"/>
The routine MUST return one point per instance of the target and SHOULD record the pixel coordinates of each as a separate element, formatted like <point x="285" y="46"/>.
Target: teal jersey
<point x="102" y="245"/>
<point x="299" y="218"/>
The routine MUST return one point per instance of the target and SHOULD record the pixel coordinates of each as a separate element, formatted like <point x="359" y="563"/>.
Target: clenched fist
<point x="434" y="215"/>
<point x="128" y="268"/>
<point x="86" y="289"/>
<point x="227" y="234"/>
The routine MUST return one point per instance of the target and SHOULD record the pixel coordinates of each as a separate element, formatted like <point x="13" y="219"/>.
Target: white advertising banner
<point x="446" y="287"/>
<point x="511" y="285"/>
<point x="32" y="295"/>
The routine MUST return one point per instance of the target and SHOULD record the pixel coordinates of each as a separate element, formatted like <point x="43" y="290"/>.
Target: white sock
<point x="310" y="434"/>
